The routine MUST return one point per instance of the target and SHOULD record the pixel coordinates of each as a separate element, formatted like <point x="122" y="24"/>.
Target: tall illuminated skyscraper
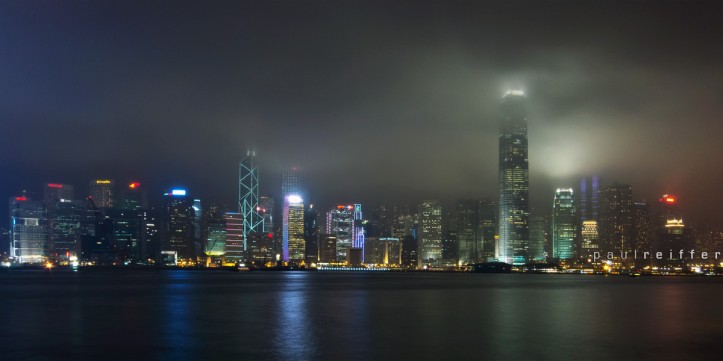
<point x="589" y="241"/>
<point x="340" y="223"/>
<point x="248" y="197"/>
<point x="178" y="224"/>
<point x="513" y="180"/>
<point x="294" y="246"/>
<point x="563" y="224"/>
<point x="102" y="192"/>
<point x="430" y="232"/>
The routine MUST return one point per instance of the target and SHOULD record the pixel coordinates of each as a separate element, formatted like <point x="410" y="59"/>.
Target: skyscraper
<point x="101" y="190"/>
<point x="340" y="222"/>
<point x="132" y="197"/>
<point x="267" y="212"/>
<point x="214" y="232"/>
<point x="294" y="246"/>
<point x="327" y="248"/>
<point x="290" y="182"/>
<point x="616" y="225"/>
<point x="590" y="239"/>
<point x="513" y="180"/>
<point x="430" y="232"/>
<point x="538" y="233"/>
<point x="27" y="230"/>
<point x="56" y="192"/>
<point x="487" y="236"/>
<point x="358" y="230"/>
<point x="642" y="227"/>
<point x="563" y="224"/>
<point x="466" y="227"/>
<point x="234" y="237"/>
<point x="248" y="196"/>
<point x="64" y="229"/>
<point x="62" y="215"/>
<point x="311" y="233"/>
<point x="178" y="224"/>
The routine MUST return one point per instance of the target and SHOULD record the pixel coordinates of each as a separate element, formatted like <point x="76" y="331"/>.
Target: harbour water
<point x="204" y="315"/>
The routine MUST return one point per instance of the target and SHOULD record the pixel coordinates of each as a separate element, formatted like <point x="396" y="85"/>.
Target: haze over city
<point x="374" y="101"/>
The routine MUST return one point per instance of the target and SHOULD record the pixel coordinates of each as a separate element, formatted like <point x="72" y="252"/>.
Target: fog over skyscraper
<point x="513" y="180"/>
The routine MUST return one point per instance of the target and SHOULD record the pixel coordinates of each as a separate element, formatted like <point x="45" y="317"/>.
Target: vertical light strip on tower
<point x="248" y="195"/>
<point x="595" y="191"/>
<point x="584" y="214"/>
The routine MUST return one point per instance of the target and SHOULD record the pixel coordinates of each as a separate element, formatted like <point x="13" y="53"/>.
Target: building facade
<point x="101" y="190"/>
<point x="616" y="224"/>
<point x="294" y="246"/>
<point x="564" y="222"/>
<point x="430" y="232"/>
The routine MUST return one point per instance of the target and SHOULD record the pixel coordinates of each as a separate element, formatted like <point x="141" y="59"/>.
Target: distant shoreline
<point x="94" y="269"/>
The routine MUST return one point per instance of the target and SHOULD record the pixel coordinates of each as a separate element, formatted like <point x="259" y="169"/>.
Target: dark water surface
<point x="193" y="315"/>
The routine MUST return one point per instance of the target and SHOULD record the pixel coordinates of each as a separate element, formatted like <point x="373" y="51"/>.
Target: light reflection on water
<point x="176" y="328"/>
<point x="293" y="338"/>
<point x="177" y="315"/>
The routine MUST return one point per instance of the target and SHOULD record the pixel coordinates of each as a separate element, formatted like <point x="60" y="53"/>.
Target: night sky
<point x="373" y="101"/>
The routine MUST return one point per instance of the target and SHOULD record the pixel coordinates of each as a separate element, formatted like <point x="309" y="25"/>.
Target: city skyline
<point x="394" y="107"/>
<point x="361" y="179"/>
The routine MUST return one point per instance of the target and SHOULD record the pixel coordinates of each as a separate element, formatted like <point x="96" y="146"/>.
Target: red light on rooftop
<point x="668" y="199"/>
<point x="270" y="235"/>
<point x="21" y="199"/>
<point x="340" y="207"/>
<point x="134" y="185"/>
<point x="55" y="185"/>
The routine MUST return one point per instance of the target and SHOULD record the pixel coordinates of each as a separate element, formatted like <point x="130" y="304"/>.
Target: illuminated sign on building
<point x="102" y="181"/>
